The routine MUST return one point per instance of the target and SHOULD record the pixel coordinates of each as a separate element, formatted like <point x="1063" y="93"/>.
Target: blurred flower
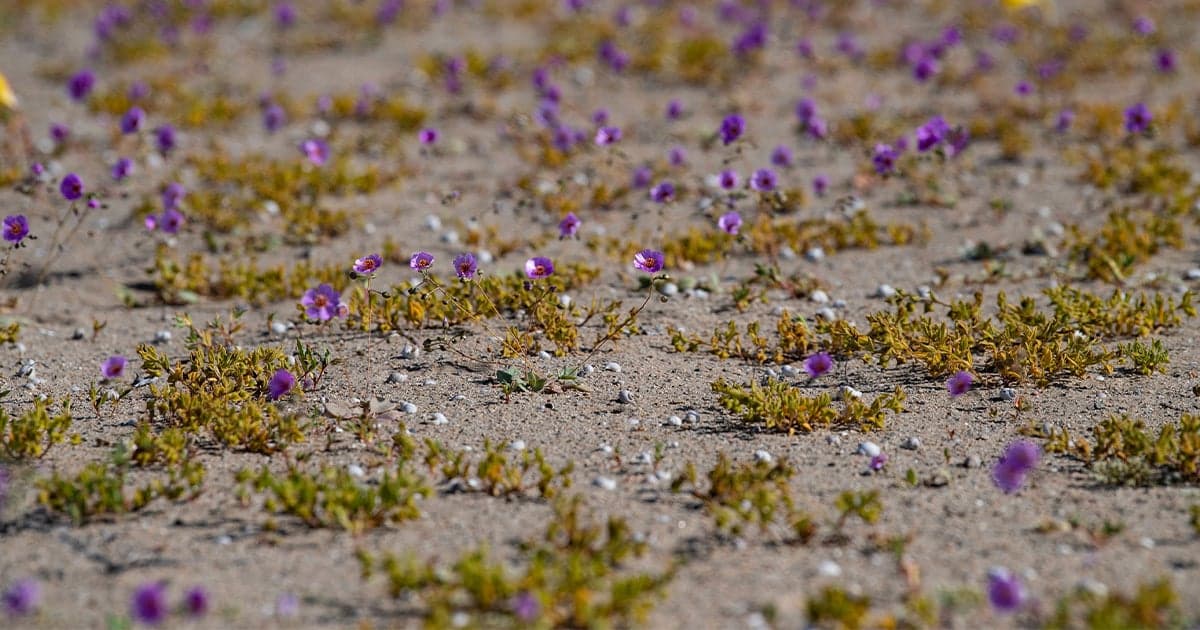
<point x="878" y="462"/>
<point x="663" y="192"/>
<point x="149" y="604"/>
<point x="285" y="14"/>
<point x="1138" y="118"/>
<point x="23" y="597"/>
<point x="931" y="133"/>
<point x="818" y="364"/>
<point x="885" y="159"/>
<point x="641" y="177"/>
<point x="959" y="383"/>
<point x="539" y="267"/>
<point x="16" y="228"/>
<point x="274" y="117"/>
<point x="465" y="266"/>
<point x="648" y="260"/>
<point x="677" y="156"/>
<point x="71" y="187"/>
<point x="1005" y="591"/>
<point x="281" y="383"/>
<point x="763" y="180"/>
<point x="428" y="136"/>
<point x="1023" y="88"/>
<point x="172" y="220"/>
<point x="732" y="128"/>
<point x="820" y="185"/>
<point x="730" y="222"/>
<point x="421" y="261"/>
<point x="316" y="150"/>
<point x="781" y="156"/>
<point x="132" y="120"/>
<point x="80" y="85"/>
<point x="674" y="109"/>
<point x="368" y="264"/>
<point x="1164" y="60"/>
<point x="287" y="605"/>
<point x="59" y="133"/>
<point x="122" y="169"/>
<point x="1065" y="118"/>
<point x="195" y="600"/>
<point x="113" y="367"/>
<point x="172" y="195"/>
<point x="1020" y="458"/>
<point x="1144" y="26"/>
<point x="729" y="179"/>
<point x="608" y="135"/>
<point x="321" y="303"/>
<point x="569" y="226"/>
<point x="164" y="139"/>
<point x="525" y="607"/>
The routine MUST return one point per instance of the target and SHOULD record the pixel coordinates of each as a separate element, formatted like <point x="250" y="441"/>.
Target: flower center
<point x="320" y="301"/>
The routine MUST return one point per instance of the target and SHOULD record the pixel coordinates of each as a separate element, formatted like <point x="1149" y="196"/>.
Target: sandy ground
<point x="958" y="530"/>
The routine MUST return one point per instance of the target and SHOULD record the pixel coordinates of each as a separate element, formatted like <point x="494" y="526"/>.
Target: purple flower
<point x="818" y="364"/>
<point x="674" y="109"/>
<point x="781" y="156"/>
<point x="931" y="133"/>
<point x="1144" y="26"/>
<point x="885" y="159"/>
<point x="677" y="156"/>
<point x="878" y="462"/>
<point x="959" y="383"/>
<point x="539" y="267"/>
<point x="113" y="367"/>
<point x="820" y="185"/>
<point x="641" y="177"/>
<point x="752" y="39"/>
<point x="728" y="179"/>
<point x="421" y="261"/>
<point x="730" y="222"/>
<point x="80" y="85"/>
<point x="817" y="128"/>
<point x="806" y="109"/>
<point x="848" y="45"/>
<point x="525" y="606"/>
<point x="149" y="604"/>
<point x="1065" y="118"/>
<point x="285" y="14"/>
<point x="663" y="192"/>
<point x="1164" y="60"/>
<point x="763" y="180"/>
<point x="16" y="228"/>
<point x="287" y="605"/>
<point x="465" y="266"/>
<point x="608" y="135"/>
<point x="59" y="133"/>
<point x="648" y="260"/>
<point x="316" y="150"/>
<point x="1023" y="88"/>
<point x="1005" y="591"/>
<point x="367" y="265"/>
<point x="281" y="382"/>
<point x="1138" y="118"/>
<point x="164" y="139"/>
<point x="1010" y="471"/>
<point x="138" y="91"/>
<point x="23" y="597"/>
<point x="71" y="187"/>
<point x="172" y="221"/>
<point x="428" y="136"/>
<point x="600" y="117"/>
<point x="274" y="117"/>
<point x="121" y="169"/>
<point x="804" y="48"/>
<point x="132" y="120"/>
<point x="732" y="128"/>
<point x="569" y="226"/>
<point x="172" y="195"/>
<point x="195" y="600"/>
<point x="925" y="68"/>
<point x="321" y="303"/>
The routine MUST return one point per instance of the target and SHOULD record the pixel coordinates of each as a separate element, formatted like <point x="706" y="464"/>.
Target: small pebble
<point x="1192" y="274"/>
<point x="78" y="334"/>
<point x="278" y="328"/>
<point x="819" y="296"/>
<point x="612" y="366"/>
<point x="763" y="456"/>
<point x="396" y="377"/>
<point x="625" y="396"/>
<point x="829" y="568"/>
<point x="517" y="445"/>
<point x="356" y="471"/>
<point x="588" y="369"/>
<point x="605" y="483"/>
<point x="162" y="336"/>
<point x="693" y="417"/>
<point x="634" y="422"/>
<point x="1093" y="587"/>
<point x="410" y="352"/>
<point x="833" y="440"/>
<point x="884" y="291"/>
<point x="973" y="461"/>
<point x="1008" y="394"/>
<point x="669" y="289"/>
<point x="790" y="371"/>
<point x="826" y="313"/>
<point x="439" y="418"/>
<point x="815" y="254"/>
<point x="542" y="354"/>
<point x="675" y="421"/>
<point x="848" y="392"/>
<point x="913" y="443"/>
<point x="870" y="449"/>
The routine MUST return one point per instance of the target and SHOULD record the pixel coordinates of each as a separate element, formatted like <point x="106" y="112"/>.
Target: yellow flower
<point x="8" y="100"/>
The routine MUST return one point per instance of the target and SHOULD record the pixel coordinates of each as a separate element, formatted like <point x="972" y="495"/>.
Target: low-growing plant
<point x="1123" y="451"/>
<point x="745" y="495"/>
<point x="495" y="474"/>
<point x="1153" y="605"/>
<point x="34" y="431"/>
<point x="780" y="406"/>
<point x="569" y="577"/>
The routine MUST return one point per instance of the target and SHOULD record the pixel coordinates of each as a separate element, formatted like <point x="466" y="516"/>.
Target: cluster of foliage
<point x="782" y="407"/>
<point x="1124" y="451"/>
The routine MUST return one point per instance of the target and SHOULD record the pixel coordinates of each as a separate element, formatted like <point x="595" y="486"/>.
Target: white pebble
<point x="564" y="300"/>
<point x="605" y="483"/>
<point x="763" y="456"/>
<point x="668" y="289"/>
<point x="884" y="291"/>
<point x="542" y="354"/>
<point x="612" y="366"/>
<point x="408" y="407"/>
<point x="625" y="396"/>
<point x="356" y="471"/>
<point x="517" y="445"/>
<point x="433" y="223"/>
<point x="815" y="254"/>
<point x="819" y="296"/>
<point x="675" y="421"/>
<point x="439" y="418"/>
<point x="913" y="443"/>
<point x="826" y="313"/>
<point x="396" y="377"/>
<point x="829" y="568"/>
<point x="1192" y="274"/>
<point x="870" y="449"/>
<point x="790" y="371"/>
<point x="1008" y="394"/>
<point x="693" y="417"/>
<point x="162" y="336"/>
<point x="410" y="352"/>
